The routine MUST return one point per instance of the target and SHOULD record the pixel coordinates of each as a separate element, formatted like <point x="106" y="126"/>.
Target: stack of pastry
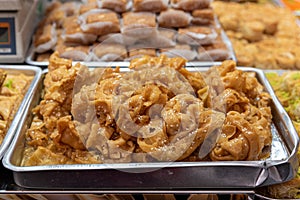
<point x="263" y="35"/>
<point x="83" y="31"/>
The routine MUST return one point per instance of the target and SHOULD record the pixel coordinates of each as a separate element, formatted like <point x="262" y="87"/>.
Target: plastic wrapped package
<point x="109" y="52"/>
<point x="52" y="6"/>
<point x="140" y="52"/>
<point x="217" y="51"/>
<point x="76" y="53"/>
<point x="119" y="6"/>
<point x="56" y="16"/>
<point x="197" y="35"/>
<point x="163" y="39"/>
<point x="70" y="8"/>
<point x="174" y="18"/>
<point x="58" y="11"/>
<point x="203" y="16"/>
<point x="99" y="22"/>
<point x="73" y="33"/>
<point x="182" y="50"/>
<point x="190" y="5"/>
<point x="43" y="57"/>
<point x="212" y="54"/>
<point x="87" y="7"/>
<point x="150" y="5"/>
<point x="118" y="38"/>
<point x="139" y="24"/>
<point x="45" y="38"/>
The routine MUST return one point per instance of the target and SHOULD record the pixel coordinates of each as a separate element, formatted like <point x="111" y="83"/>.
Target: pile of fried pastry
<point x="157" y="111"/>
<point x="263" y="35"/>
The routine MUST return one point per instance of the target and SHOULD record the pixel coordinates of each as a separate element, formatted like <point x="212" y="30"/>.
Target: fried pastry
<point x="73" y="33"/>
<point x="173" y="18"/>
<point x="180" y="50"/>
<point x="43" y="57"/>
<point x="45" y="38"/>
<point x="119" y="6"/>
<point x="214" y="52"/>
<point x="76" y="53"/>
<point x="190" y="5"/>
<point x="139" y="24"/>
<point x="109" y="52"/>
<point x="197" y="35"/>
<point x="137" y="53"/>
<point x="150" y="5"/>
<point x="87" y="7"/>
<point x="203" y="16"/>
<point x="99" y="22"/>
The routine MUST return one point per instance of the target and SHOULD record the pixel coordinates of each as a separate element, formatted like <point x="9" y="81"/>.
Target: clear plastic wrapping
<point x="139" y="24"/>
<point x="109" y="52"/>
<point x="45" y="38"/>
<point x="99" y="22"/>
<point x="174" y="18"/>
<point x="150" y="5"/>
<point x="190" y="5"/>
<point x="197" y="35"/>
<point x="115" y="5"/>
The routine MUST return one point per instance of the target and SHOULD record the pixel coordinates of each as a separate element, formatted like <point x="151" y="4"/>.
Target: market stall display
<point x="263" y="35"/>
<point x="133" y="24"/>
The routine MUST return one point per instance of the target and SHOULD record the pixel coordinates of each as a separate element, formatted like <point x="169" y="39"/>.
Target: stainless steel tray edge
<point x="30" y="91"/>
<point x="231" y="174"/>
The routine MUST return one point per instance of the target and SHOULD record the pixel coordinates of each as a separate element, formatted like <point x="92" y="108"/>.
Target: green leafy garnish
<point x="9" y="84"/>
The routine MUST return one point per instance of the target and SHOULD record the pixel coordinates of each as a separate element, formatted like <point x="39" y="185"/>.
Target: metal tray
<point x="247" y="175"/>
<point x="27" y="70"/>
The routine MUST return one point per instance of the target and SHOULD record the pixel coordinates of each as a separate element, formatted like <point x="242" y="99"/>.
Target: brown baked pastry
<point x="174" y="18"/>
<point x="190" y="5"/>
<point x="139" y="24"/>
<point x="135" y="53"/>
<point x="43" y="34"/>
<point x="76" y="53"/>
<point x="99" y="22"/>
<point x="180" y="50"/>
<point x="144" y="19"/>
<point x="87" y="7"/>
<point x="217" y="51"/>
<point x="73" y="33"/>
<point x="109" y="52"/>
<point x="203" y="16"/>
<point x="197" y="35"/>
<point x="115" y="5"/>
<point x="45" y="38"/>
<point x="150" y="5"/>
<point x="43" y="57"/>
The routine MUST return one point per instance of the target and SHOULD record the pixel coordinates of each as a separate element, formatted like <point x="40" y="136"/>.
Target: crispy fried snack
<point x="159" y="111"/>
